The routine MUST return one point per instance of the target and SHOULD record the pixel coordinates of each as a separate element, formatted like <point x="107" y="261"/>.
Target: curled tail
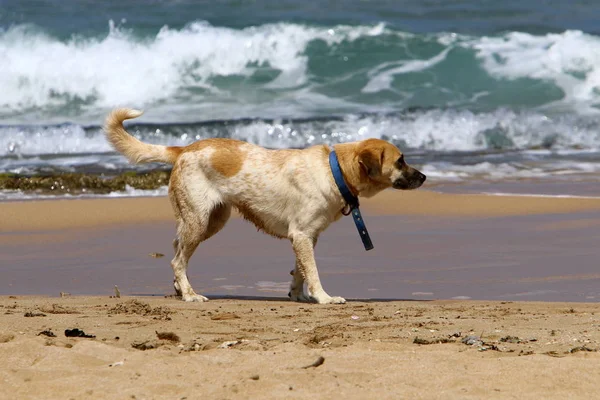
<point x="132" y="148"/>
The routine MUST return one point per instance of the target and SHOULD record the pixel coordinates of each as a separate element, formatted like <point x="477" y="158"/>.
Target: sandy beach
<point x="269" y="348"/>
<point x="446" y="315"/>
<point x="483" y="284"/>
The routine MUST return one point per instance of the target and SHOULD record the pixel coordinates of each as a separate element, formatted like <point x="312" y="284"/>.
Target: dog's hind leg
<point x="200" y="212"/>
<point x="194" y="235"/>
<point x="297" y="285"/>
<point x="190" y="232"/>
<point x="189" y="235"/>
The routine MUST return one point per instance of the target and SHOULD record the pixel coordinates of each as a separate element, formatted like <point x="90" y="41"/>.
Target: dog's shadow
<point x="282" y="299"/>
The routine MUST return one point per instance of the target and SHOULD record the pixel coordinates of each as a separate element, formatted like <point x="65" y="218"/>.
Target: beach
<point x="482" y="284"/>
<point x="513" y="277"/>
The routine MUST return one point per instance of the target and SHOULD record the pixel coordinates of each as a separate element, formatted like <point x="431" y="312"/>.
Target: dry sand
<point x="262" y="348"/>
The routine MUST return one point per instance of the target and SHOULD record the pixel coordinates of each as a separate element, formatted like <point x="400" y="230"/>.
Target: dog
<point x="288" y="194"/>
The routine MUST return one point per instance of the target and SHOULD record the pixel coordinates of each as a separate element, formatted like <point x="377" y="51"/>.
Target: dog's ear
<point x="370" y="160"/>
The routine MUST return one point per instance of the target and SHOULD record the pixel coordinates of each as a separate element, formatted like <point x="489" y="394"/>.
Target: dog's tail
<point x="132" y="148"/>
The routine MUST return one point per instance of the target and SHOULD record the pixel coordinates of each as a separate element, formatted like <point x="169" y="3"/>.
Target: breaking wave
<point x="204" y="72"/>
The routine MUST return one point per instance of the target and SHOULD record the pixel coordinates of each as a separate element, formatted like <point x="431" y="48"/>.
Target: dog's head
<point x="382" y="165"/>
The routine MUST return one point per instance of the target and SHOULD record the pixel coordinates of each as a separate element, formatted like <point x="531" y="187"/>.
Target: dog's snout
<point x="421" y="177"/>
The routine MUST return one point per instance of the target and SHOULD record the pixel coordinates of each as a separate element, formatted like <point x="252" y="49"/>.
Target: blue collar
<point x="350" y="199"/>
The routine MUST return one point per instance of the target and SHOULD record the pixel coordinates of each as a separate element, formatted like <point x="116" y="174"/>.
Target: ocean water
<point x="471" y="90"/>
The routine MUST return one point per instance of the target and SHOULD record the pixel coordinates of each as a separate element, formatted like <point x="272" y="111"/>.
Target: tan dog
<point x="286" y="193"/>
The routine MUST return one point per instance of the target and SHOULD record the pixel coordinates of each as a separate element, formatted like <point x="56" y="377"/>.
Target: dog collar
<point x="350" y="199"/>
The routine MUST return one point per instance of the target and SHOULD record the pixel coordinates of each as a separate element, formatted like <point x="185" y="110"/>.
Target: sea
<point x="498" y="96"/>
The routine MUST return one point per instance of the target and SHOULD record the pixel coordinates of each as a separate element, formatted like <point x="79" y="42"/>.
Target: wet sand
<point x="427" y="246"/>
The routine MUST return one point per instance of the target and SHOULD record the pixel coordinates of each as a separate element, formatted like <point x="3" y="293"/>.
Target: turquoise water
<point x="491" y="89"/>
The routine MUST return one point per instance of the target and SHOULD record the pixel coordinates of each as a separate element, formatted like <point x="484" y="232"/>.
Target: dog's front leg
<point x="307" y="267"/>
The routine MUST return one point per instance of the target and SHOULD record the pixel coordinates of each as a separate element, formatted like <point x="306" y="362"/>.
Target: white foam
<point x="495" y="172"/>
<point x="171" y="74"/>
<point x="269" y="286"/>
<point x="15" y="195"/>
<point x="531" y="293"/>
<point x="570" y="59"/>
<point x="66" y="139"/>
<point x="551" y="196"/>
<point x="232" y="287"/>
<point x="443" y="130"/>
<point x="132" y="192"/>
<point x="38" y="70"/>
<point x="26" y="148"/>
<point x="381" y="77"/>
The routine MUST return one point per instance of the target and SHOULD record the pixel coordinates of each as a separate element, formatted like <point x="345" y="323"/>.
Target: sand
<point x="250" y="349"/>
<point x="244" y="346"/>
<point x="61" y="214"/>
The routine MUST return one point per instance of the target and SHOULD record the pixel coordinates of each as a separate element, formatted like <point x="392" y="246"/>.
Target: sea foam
<point x="201" y="72"/>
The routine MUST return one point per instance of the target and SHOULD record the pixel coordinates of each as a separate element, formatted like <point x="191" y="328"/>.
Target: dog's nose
<point x="422" y="177"/>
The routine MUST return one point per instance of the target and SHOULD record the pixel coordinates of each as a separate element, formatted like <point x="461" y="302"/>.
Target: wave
<point x="175" y="66"/>
<point x="504" y="171"/>
<point x="414" y="129"/>
<point x="203" y="72"/>
<point x="450" y="141"/>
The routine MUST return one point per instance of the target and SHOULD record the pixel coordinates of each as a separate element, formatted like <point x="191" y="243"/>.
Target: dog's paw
<point x="301" y="297"/>
<point x="331" y="300"/>
<point x="323" y="299"/>
<point x="194" y="298"/>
